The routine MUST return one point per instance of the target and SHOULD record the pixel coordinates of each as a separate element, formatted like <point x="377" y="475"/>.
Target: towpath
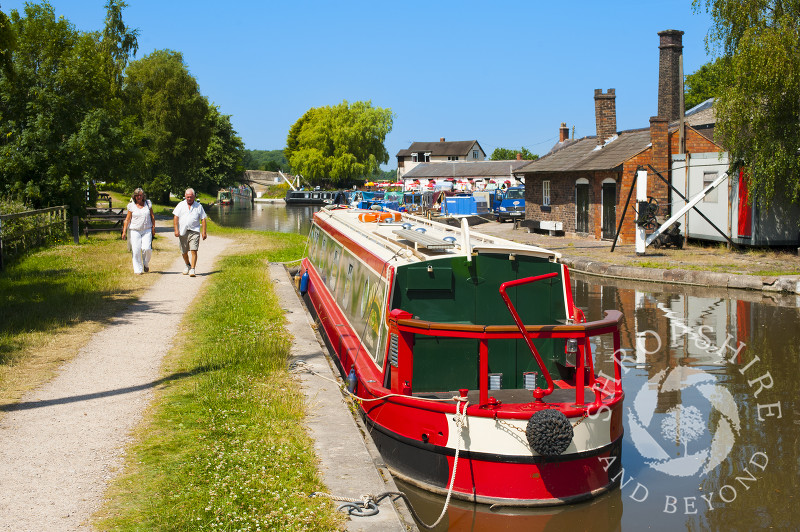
<point x="63" y="442"/>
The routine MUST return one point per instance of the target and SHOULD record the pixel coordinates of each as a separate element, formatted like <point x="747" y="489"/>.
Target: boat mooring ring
<point x="549" y="432"/>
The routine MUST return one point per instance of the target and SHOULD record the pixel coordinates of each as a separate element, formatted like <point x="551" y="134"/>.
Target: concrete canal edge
<point x="789" y="283"/>
<point x="350" y="464"/>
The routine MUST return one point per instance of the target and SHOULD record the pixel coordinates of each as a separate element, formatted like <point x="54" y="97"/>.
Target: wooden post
<point x="75" y="235"/>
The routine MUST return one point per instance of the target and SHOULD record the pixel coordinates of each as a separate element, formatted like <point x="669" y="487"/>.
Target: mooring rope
<point x="367" y="505"/>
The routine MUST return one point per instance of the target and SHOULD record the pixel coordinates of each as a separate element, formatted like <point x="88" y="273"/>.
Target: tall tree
<point x="222" y="165"/>
<point x="171" y="120"/>
<point x="6" y="43"/>
<point x="705" y="83"/>
<point x="60" y="131"/>
<point x="335" y="145"/>
<point x="758" y="111"/>
<point x="506" y="154"/>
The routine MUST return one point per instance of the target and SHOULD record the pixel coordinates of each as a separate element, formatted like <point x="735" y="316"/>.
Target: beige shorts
<point x="189" y="242"/>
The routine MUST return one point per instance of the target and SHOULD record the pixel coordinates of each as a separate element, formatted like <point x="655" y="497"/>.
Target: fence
<point x="23" y="230"/>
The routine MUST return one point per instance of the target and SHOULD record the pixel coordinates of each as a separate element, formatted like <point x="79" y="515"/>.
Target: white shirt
<point x="140" y="217"/>
<point x="189" y="217"/>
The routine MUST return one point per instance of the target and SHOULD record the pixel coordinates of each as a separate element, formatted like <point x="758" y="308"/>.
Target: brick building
<point x="584" y="183"/>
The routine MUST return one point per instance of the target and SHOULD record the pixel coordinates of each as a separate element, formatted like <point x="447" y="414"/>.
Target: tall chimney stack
<point x="669" y="82"/>
<point x="605" y="115"/>
<point x="563" y="132"/>
<point x="441" y="139"/>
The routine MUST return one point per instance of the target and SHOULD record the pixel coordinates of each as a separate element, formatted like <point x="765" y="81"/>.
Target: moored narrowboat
<point x="473" y="368"/>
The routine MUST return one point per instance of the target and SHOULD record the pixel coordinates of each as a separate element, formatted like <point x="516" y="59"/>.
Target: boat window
<point x="334" y="270"/>
<point x="346" y="295"/>
<point x="364" y="297"/>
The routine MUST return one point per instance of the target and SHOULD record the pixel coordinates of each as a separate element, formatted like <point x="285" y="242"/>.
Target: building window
<point x="474" y="154"/>
<point x="708" y="178"/>
<point x="546" y="192"/>
<point x="427" y="157"/>
<point x="452" y="157"/>
<point x="414" y="158"/>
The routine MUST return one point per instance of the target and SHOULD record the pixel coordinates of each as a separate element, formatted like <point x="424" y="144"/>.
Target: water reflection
<point x="712" y="440"/>
<point x="264" y="216"/>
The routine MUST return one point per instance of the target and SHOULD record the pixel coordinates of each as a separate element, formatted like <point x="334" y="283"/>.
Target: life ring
<point x="549" y="432"/>
<point x="389" y="217"/>
<point x="368" y="217"/>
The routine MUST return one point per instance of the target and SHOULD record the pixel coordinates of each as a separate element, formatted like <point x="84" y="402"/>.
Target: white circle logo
<point x="652" y="424"/>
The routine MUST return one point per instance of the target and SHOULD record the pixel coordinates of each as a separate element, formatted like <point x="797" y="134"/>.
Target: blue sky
<point x="505" y="73"/>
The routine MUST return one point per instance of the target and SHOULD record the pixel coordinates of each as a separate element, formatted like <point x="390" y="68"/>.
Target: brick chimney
<point x="605" y="114"/>
<point x="441" y="139"/>
<point x="659" y="137"/>
<point x="563" y="132"/>
<point x="519" y="156"/>
<point x="669" y="82"/>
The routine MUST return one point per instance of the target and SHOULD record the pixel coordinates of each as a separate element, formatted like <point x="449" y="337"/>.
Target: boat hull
<point x="497" y="479"/>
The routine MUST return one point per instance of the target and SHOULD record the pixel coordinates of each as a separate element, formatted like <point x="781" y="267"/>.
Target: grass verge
<point x="225" y="447"/>
<point x="54" y="298"/>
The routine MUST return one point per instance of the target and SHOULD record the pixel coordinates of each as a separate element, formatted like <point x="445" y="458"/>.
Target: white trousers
<point x="142" y="248"/>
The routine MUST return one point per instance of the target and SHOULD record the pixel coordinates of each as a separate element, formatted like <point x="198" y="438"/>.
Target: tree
<point x="758" y="110"/>
<point x="59" y="115"/>
<point x="223" y="160"/>
<point x="6" y="44"/>
<point x="171" y="120"/>
<point x="336" y="145"/>
<point x="705" y="83"/>
<point x="506" y="154"/>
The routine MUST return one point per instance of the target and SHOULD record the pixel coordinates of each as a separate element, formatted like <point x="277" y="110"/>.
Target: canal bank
<point x="716" y="266"/>
<point x="350" y="464"/>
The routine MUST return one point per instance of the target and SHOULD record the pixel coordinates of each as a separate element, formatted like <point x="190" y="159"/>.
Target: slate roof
<point x="478" y="169"/>
<point x="459" y="147"/>
<point x="583" y="155"/>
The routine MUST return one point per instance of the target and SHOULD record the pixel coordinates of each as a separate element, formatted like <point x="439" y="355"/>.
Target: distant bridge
<point x="259" y="180"/>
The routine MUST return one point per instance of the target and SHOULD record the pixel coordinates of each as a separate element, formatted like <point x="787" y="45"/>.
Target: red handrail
<point x="538" y="393"/>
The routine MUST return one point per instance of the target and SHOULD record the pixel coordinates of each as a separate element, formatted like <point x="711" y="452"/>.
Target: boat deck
<point x="423" y="239"/>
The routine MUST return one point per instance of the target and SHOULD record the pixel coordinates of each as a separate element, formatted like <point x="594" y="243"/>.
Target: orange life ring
<point x="368" y="217"/>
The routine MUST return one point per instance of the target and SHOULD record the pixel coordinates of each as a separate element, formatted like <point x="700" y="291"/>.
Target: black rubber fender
<point x="549" y="432"/>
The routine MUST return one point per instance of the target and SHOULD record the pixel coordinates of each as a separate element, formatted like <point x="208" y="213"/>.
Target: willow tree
<point x="335" y="145"/>
<point x="758" y="109"/>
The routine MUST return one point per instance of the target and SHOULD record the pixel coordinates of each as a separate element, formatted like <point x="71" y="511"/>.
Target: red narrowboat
<point x="473" y="368"/>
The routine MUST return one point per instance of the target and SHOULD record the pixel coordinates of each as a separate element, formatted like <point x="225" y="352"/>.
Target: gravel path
<point x="63" y="442"/>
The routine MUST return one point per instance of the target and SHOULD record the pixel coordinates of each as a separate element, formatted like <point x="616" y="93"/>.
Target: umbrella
<point x="369" y="184"/>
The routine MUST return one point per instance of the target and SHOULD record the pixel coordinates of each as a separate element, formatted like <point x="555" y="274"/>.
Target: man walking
<point x="189" y="222"/>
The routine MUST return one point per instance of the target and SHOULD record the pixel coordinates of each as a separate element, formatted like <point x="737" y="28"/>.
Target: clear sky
<point x="505" y="73"/>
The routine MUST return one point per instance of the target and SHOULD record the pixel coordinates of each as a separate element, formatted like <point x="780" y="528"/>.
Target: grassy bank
<point x="225" y="448"/>
<point x="53" y="299"/>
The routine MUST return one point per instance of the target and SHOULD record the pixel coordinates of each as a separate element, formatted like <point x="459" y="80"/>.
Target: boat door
<point x="609" y="208"/>
<point x="582" y="206"/>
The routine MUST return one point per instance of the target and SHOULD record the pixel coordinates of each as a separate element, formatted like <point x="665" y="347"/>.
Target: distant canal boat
<point x="224" y="197"/>
<point x="470" y="363"/>
<point x="313" y="197"/>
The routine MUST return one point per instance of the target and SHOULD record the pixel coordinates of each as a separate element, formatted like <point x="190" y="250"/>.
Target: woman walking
<point x="142" y="225"/>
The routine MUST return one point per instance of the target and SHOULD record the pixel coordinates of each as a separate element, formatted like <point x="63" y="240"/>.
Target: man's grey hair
<point x="190" y="190"/>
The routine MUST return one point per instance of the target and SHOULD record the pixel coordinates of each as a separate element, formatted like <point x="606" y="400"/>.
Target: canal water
<point x="711" y="415"/>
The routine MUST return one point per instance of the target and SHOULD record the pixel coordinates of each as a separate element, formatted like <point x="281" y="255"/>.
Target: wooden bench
<point x="101" y="219"/>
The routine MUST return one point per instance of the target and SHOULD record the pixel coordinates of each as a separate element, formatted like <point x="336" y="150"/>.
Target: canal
<point x="711" y="416"/>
